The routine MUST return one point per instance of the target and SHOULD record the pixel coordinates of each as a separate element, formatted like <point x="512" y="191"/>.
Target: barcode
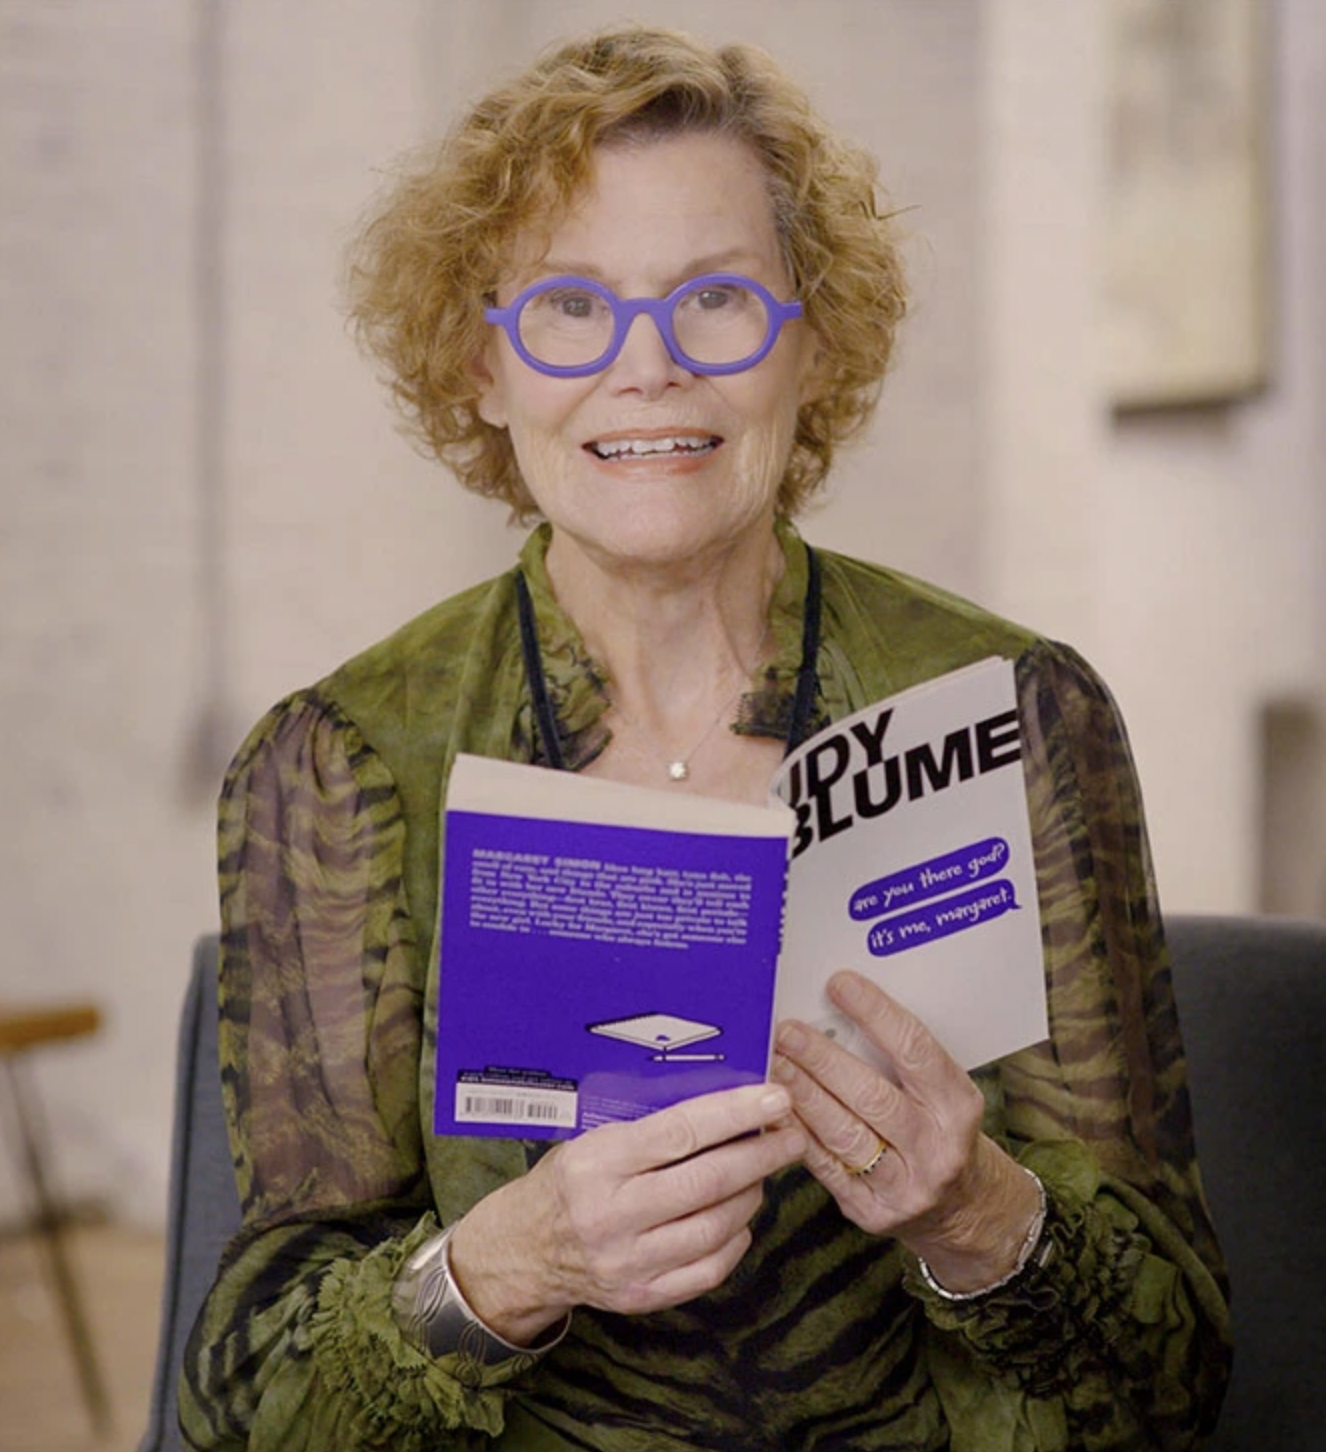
<point x="550" y="1107"/>
<point x="510" y="1108"/>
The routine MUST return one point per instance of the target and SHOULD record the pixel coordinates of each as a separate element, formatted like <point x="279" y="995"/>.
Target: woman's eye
<point x="710" y="299"/>
<point x="574" y="305"/>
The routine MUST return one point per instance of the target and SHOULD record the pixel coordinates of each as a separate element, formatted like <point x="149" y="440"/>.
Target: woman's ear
<point x="491" y="406"/>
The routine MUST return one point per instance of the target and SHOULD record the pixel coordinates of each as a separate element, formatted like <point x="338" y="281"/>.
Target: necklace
<point x="545" y="717"/>
<point x="679" y="767"/>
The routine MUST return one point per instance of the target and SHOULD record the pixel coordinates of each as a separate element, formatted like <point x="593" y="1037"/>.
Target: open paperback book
<point x="608" y="950"/>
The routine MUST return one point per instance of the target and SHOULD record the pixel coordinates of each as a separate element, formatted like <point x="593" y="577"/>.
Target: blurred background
<point x="1107" y="419"/>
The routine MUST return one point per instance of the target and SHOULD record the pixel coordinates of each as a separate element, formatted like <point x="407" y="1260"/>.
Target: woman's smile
<point x="672" y="447"/>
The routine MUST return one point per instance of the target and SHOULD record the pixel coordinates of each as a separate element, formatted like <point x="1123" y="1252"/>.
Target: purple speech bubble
<point x="941" y="919"/>
<point x="931" y="878"/>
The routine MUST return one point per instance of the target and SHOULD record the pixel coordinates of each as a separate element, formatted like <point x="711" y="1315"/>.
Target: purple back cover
<point x="593" y="973"/>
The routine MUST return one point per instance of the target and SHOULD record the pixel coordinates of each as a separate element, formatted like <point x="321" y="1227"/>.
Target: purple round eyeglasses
<point x="571" y="327"/>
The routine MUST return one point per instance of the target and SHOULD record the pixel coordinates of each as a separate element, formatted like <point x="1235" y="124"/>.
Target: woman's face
<point x="710" y="450"/>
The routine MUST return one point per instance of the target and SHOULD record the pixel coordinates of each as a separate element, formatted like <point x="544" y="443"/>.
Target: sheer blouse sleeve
<point x="320" y="995"/>
<point x="1117" y="1335"/>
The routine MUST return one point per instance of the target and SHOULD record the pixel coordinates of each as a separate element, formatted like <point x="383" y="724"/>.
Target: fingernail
<point x="847" y="987"/>
<point x="776" y="1102"/>
<point x="792" y="1038"/>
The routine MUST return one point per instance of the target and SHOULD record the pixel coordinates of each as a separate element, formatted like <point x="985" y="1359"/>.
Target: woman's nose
<point x="644" y="364"/>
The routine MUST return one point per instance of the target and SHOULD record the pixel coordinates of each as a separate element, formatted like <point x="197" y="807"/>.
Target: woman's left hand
<point x="940" y="1186"/>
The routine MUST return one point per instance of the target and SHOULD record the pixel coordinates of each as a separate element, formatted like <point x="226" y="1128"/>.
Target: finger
<point x="704" y="1233"/>
<point x="605" y="1206"/>
<point x="842" y="1129"/>
<point x="675" y="1260"/>
<point x="923" y="1066"/>
<point x="875" y="1201"/>
<point x="944" y="1106"/>
<point x="662" y="1265"/>
<point x="683" y="1130"/>
<point x="715" y="1176"/>
<point x="683" y="1282"/>
<point x="834" y="1082"/>
<point x="844" y="1181"/>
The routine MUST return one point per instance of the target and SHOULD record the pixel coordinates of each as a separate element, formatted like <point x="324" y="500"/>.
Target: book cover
<point x="912" y="863"/>
<point x="608" y="950"/>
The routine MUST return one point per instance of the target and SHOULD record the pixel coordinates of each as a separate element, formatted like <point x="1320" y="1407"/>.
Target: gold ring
<point x="873" y="1161"/>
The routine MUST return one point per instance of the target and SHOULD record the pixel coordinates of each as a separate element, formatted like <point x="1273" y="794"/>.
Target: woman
<point x="919" y="1259"/>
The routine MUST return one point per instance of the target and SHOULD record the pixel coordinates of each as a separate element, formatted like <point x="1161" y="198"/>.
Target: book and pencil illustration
<point x="666" y="1034"/>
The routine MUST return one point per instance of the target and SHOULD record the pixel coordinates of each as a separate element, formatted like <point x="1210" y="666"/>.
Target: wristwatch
<point x="436" y="1317"/>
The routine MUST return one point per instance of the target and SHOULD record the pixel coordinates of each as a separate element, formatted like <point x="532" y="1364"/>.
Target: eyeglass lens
<point x="712" y="322"/>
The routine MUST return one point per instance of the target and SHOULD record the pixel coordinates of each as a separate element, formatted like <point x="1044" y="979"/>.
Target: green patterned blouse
<point x="824" y="1337"/>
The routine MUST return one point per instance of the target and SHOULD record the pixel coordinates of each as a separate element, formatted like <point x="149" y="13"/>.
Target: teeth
<point x="670" y="444"/>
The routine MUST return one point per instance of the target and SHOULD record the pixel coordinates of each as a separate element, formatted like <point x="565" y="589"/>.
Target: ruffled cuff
<point x="404" y="1398"/>
<point x="1047" y="1326"/>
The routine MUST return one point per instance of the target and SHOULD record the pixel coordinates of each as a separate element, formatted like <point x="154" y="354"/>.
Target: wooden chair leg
<point x="50" y="1226"/>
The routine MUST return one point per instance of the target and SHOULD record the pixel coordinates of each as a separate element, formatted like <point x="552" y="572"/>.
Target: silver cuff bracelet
<point x="434" y="1315"/>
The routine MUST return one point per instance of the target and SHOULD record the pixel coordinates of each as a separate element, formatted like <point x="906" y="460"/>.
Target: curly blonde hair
<point x="433" y="248"/>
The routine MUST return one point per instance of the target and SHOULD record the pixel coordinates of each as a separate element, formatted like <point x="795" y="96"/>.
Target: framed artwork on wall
<point x="1186" y="307"/>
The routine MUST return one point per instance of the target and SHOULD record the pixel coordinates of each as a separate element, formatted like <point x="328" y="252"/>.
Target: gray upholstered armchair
<point x="1252" y="1003"/>
<point x="203" y="1210"/>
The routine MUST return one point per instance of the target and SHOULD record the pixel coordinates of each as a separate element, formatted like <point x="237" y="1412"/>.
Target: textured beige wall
<point x="193" y="522"/>
<point x="1211" y="542"/>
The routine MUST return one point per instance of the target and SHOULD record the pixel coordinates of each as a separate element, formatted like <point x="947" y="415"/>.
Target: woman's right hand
<point x="628" y="1217"/>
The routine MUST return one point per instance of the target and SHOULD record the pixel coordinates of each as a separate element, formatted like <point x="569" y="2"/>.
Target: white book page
<point x="517" y="789"/>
